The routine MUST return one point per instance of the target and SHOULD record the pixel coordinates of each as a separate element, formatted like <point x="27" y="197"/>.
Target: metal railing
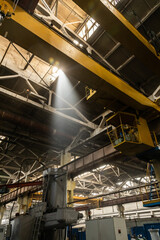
<point x="15" y="193"/>
<point x="124" y="133"/>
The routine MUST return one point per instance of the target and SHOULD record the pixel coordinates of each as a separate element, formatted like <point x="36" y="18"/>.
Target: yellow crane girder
<point x="42" y="41"/>
<point x="111" y="20"/>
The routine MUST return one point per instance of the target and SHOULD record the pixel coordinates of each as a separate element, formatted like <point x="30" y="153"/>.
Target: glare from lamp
<point x="56" y="75"/>
<point x="75" y="42"/>
<point x="54" y="69"/>
<point x="59" y="72"/>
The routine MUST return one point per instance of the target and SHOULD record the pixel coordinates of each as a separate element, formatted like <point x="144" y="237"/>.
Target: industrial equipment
<point x="89" y="92"/>
<point x="47" y="220"/>
<point x="154" y="234"/>
<point x="129" y="134"/>
<point x="6" y="10"/>
<point x="106" y="228"/>
<point x="153" y="198"/>
<point x="78" y="234"/>
<point x="146" y="230"/>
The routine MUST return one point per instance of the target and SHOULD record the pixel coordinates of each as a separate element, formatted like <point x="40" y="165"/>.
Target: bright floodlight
<point x="54" y="69"/>
<point x="75" y="42"/>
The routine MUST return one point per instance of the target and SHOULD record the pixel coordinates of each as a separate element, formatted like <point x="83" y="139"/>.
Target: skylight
<point x="128" y="184"/>
<point x="114" y="2"/>
<point x="88" y="29"/>
<point x="55" y="73"/>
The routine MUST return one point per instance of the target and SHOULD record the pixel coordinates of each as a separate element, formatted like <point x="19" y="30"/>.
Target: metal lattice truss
<point x="13" y="152"/>
<point x="78" y="37"/>
<point x="107" y="178"/>
<point x="18" y="162"/>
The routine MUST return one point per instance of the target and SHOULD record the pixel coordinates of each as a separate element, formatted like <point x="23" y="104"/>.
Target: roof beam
<point x="9" y="167"/>
<point x="91" y="161"/>
<point x="9" y="77"/>
<point x="45" y="107"/>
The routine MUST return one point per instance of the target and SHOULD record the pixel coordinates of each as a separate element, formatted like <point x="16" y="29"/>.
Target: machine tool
<point x="47" y="220"/>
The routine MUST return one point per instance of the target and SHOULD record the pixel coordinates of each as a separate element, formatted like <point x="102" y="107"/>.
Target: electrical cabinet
<point x="106" y="229"/>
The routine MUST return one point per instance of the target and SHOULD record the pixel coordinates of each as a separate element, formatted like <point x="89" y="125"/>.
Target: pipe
<point x="9" y="76"/>
<point x="28" y="124"/>
<point x="115" y="192"/>
<point x="23" y="184"/>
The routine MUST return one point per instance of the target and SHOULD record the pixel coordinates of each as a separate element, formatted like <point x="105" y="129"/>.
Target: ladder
<point x="36" y="229"/>
<point x="45" y="188"/>
<point x="39" y="213"/>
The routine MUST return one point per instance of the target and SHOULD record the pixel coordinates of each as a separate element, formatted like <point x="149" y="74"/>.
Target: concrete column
<point x="24" y="203"/>
<point x="120" y="209"/>
<point x="65" y="158"/>
<point x="88" y="214"/>
<point x="70" y="191"/>
<point x="2" y="211"/>
<point x="19" y="201"/>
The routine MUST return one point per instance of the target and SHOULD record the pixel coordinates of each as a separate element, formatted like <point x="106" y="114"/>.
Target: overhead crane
<point x="123" y="31"/>
<point x="130" y="134"/>
<point x="42" y="41"/>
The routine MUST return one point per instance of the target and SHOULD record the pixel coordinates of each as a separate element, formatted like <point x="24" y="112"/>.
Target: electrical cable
<point x="15" y="3"/>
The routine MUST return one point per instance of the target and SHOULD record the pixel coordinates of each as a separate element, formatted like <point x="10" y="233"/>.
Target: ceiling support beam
<point x="45" y="108"/>
<point x="9" y="167"/>
<point x="91" y="161"/>
<point x="9" y="77"/>
<point x="28" y="62"/>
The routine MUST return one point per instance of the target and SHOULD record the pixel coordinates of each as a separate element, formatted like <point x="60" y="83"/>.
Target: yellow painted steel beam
<point x="36" y="37"/>
<point x="122" y="30"/>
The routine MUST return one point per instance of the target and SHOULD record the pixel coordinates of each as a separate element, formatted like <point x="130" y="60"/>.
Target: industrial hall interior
<point x="79" y="119"/>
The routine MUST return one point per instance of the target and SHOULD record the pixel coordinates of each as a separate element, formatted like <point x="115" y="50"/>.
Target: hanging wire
<point x="15" y="3"/>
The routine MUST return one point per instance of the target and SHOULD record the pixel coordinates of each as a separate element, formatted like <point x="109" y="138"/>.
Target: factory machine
<point x="47" y="220"/>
